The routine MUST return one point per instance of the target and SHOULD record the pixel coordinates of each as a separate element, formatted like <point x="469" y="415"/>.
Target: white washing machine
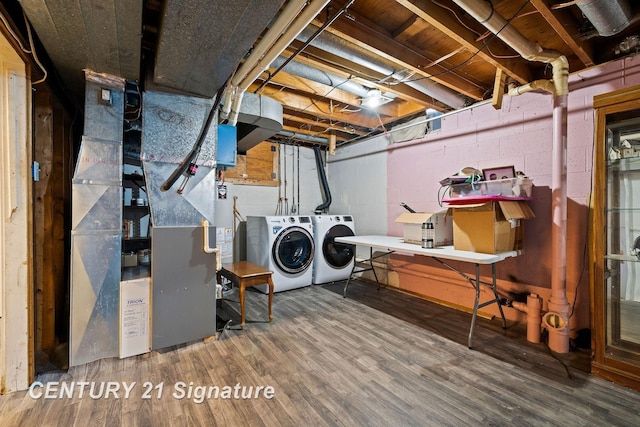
<point x="332" y="261"/>
<point x="284" y="245"/>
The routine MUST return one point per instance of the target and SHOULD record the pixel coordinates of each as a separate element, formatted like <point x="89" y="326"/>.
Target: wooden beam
<point x="343" y="130"/>
<point x="498" y="89"/>
<point x="565" y="26"/>
<point x="328" y="110"/>
<point x="379" y="43"/>
<point x="443" y="21"/>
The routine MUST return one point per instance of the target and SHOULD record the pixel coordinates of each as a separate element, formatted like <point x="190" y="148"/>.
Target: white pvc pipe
<point x="273" y="33"/>
<point x="260" y="60"/>
<point x="545" y="85"/>
<point x="559" y="336"/>
<point x="299" y="24"/>
<point x="483" y="13"/>
<point x="234" y="95"/>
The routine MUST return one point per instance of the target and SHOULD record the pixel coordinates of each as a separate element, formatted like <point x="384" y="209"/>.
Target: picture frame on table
<point x="502" y="172"/>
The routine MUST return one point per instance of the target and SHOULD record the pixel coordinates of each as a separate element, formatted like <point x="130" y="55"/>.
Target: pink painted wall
<point x="519" y="134"/>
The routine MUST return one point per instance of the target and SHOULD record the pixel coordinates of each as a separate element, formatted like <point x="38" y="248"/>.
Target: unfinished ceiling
<point x="413" y="54"/>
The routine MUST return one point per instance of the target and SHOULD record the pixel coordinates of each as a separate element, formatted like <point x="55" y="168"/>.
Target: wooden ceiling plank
<point x="409" y="27"/>
<point x="440" y="19"/>
<point x="386" y="47"/>
<point x="564" y="25"/>
<point x="409" y="109"/>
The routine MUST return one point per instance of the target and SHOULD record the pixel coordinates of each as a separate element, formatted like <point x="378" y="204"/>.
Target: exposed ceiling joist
<point x="420" y="54"/>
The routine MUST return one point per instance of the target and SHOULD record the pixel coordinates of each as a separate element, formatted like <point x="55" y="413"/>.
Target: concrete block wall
<point x="518" y="134"/>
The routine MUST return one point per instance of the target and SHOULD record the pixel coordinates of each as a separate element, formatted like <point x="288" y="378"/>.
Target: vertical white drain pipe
<point x="557" y="319"/>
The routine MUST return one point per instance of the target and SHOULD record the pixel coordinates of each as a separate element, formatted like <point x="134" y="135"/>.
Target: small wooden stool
<point x="243" y="274"/>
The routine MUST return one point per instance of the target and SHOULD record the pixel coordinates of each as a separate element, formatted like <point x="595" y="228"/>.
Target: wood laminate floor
<point x="376" y="358"/>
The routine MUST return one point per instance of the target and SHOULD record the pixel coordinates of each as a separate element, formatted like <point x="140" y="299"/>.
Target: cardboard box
<point x="412" y="228"/>
<point x="491" y="227"/>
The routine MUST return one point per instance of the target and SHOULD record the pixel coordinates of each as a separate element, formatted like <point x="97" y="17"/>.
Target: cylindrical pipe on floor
<point x="533" y="308"/>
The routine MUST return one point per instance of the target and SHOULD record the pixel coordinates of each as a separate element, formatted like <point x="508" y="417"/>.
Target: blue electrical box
<point x="227" y="145"/>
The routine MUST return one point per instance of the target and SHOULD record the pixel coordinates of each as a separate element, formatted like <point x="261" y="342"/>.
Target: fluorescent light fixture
<point x="374" y="99"/>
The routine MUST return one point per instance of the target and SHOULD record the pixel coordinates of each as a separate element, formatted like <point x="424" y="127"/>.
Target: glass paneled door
<point x="615" y="238"/>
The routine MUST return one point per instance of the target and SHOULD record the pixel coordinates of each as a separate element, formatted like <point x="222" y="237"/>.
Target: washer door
<point x="293" y="250"/>
<point x="337" y="255"/>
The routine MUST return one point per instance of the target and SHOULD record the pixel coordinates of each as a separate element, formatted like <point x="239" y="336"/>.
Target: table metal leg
<point x="370" y="268"/>
<point x="344" y="291"/>
<point x="495" y="293"/>
<point x="475" y="306"/>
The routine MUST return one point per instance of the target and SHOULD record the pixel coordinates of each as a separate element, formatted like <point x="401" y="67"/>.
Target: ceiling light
<point x="374" y="99"/>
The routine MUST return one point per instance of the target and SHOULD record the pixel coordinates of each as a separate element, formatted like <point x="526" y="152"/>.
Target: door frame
<point x="16" y="235"/>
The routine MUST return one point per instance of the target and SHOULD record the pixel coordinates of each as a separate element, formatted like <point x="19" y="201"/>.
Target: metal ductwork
<point x="303" y="137"/>
<point x="608" y="17"/>
<point x="307" y="72"/>
<point x="331" y="43"/>
<point x="259" y="118"/>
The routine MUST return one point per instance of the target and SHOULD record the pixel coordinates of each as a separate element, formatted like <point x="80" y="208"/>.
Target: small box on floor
<point x="412" y="227"/>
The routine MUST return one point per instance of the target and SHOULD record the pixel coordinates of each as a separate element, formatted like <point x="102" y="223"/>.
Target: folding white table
<point x="390" y="244"/>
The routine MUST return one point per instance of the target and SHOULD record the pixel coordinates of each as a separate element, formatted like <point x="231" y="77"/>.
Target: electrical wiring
<point x="483" y="47"/>
<point x="33" y="51"/>
<point x="13" y="34"/>
<point x="453" y="12"/>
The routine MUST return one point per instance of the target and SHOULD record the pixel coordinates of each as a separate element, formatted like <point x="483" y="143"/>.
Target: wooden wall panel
<point x="258" y="167"/>
<point x="50" y="208"/>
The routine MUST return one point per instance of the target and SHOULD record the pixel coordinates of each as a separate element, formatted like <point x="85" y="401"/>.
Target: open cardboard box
<point x="412" y="228"/>
<point x="491" y="227"/>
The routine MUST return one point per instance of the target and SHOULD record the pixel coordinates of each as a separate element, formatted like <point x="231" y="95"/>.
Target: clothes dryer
<point x="284" y="245"/>
<point x="332" y="261"/>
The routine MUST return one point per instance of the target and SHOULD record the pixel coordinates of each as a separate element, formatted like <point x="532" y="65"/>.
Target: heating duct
<point x="608" y="17"/>
<point x="305" y="71"/>
<point x="345" y="49"/>
<point x="293" y="19"/>
<point x="557" y="318"/>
